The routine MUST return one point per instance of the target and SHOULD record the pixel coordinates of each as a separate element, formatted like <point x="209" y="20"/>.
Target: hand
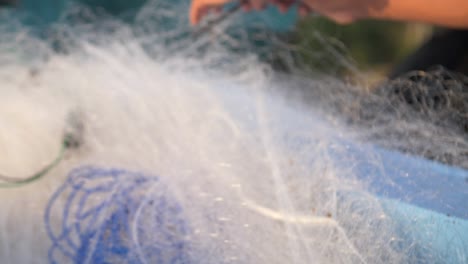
<point x="200" y="8"/>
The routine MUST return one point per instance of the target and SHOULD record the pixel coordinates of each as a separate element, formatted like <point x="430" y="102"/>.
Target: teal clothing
<point x="43" y="13"/>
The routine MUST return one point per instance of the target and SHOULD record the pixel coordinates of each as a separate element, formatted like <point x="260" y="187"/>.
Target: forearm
<point x="450" y="13"/>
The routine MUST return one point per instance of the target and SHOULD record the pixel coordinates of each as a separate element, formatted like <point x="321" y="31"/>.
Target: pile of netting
<point x="221" y="159"/>
<point x="438" y="97"/>
<point x="420" y="113"/>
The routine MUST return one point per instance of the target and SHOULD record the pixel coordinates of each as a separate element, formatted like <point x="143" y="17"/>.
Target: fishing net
<point x="220" y="158"/>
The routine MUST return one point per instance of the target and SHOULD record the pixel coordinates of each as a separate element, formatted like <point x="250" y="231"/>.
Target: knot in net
<point x="115" y="216"/>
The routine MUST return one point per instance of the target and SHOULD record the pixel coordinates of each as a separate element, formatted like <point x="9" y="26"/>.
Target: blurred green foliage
<point x="369" y="45"/>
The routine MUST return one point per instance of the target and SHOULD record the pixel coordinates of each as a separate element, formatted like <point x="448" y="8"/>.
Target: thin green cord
<point x="10" y="182"/>
<point x="72" y="139"/>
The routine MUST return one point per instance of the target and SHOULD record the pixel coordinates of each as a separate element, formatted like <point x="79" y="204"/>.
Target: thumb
<point x="197" y="7"/>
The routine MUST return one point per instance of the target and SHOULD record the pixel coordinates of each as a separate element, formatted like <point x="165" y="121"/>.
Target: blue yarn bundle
<point x="103" y="216"/>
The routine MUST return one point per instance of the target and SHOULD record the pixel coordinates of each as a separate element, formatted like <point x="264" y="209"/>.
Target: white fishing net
<point x="230" y="161"/>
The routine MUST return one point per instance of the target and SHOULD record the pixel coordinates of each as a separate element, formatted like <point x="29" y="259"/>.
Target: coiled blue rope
<point x="103" y="216"/>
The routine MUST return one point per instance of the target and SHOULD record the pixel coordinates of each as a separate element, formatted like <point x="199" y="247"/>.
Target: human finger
<point x="199" y="8"/>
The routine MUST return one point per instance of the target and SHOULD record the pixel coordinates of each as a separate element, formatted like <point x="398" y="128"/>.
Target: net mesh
<point x="248" y="159"/>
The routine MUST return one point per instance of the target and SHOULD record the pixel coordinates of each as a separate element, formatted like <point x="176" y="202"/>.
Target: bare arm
<point x="450" y="13"/>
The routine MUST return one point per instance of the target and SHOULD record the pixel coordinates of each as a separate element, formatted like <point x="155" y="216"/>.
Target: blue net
<point x="115" y="216"/>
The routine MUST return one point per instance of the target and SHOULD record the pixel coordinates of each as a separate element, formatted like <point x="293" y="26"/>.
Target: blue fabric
<point x="428" y="201"/>
<point x="410" y="179"/>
